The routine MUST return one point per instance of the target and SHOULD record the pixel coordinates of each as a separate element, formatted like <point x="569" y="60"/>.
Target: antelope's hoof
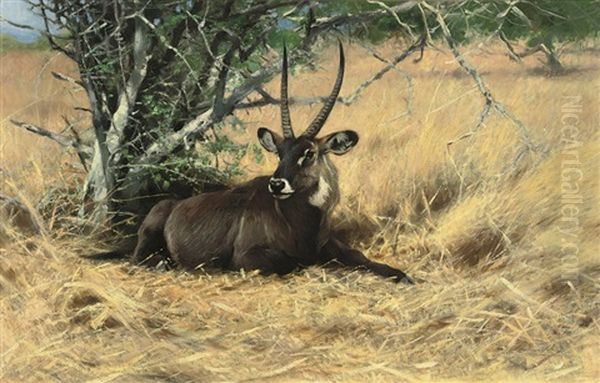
<point x="404" y="279"/>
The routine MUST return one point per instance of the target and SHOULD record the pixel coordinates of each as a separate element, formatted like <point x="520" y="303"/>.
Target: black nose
<point x="276" y="185"/>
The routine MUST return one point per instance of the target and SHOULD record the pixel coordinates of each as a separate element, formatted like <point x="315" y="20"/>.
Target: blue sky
<point x="18" y="12"/>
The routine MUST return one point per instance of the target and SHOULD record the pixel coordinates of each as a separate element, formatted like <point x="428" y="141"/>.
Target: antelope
<point x="274" y="224"/>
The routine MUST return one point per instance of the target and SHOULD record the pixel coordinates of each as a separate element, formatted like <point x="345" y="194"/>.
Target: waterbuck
<point x="274" y="224"/>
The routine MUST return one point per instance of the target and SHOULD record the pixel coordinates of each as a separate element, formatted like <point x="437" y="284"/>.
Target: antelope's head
<point x="303" y="160"/>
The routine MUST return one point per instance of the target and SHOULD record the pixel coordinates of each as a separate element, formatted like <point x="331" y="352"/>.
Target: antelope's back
<point x="202" y="229"/>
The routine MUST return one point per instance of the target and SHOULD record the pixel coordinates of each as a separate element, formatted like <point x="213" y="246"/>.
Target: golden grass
<point x="30" y="93"/>
<point x="499" y="300"/>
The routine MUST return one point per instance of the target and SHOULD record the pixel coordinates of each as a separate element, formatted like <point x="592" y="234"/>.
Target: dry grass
<point x="499" y="300"/>
<point x="29" y="92"/>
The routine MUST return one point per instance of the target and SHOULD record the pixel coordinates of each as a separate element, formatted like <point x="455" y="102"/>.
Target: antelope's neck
<point x="327" y="193"/>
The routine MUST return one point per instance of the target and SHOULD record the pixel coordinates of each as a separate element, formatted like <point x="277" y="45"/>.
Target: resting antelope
<point x="273" y="224"/>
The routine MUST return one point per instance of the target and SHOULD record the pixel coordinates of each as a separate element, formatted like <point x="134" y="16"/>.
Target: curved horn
<point x="286" y="121"/>
<point x="318" y="122"/>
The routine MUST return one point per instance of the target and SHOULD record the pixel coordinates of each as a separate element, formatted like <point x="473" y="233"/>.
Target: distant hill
<point x="9" y="43"/>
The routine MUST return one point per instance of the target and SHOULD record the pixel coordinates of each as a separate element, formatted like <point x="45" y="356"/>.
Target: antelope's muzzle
<point x="280" y="188"/>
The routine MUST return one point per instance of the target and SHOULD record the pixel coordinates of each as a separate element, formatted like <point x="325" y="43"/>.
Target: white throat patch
<point x="320" y="197"/>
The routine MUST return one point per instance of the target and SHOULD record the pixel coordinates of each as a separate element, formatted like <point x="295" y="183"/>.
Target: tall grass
<point x="498" y="298"/>
<point x="30" y="93"/>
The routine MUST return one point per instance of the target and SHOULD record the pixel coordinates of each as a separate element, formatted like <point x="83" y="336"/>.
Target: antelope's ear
<point x="339" y="142"/>
<point x="268" y="139"/>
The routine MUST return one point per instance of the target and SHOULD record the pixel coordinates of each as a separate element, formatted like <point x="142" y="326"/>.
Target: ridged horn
<point x="286" y="121"/>
<point x="314" y="128"/>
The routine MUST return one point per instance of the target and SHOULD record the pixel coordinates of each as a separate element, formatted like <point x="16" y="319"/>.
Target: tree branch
<point x="408" y="77"/>
<point x="48" y="34"/>
<point x="267" y="99"/>
<point x="267" y="6"/>
<point x="17" y="25"/>
<point x="219" y="107"/>
<point x="164" y="41"/>
<point x="60" y="139"/>
<point x="64" y="77"/>
<point x="205" y="120"/>
<point x="128" y="96"/>
<point x="511" y="51"/>
<point x="483" y="89"/>
<point x="416" y="46"/>
<point x="326" y="23"/>
<point x="386" y="7"/>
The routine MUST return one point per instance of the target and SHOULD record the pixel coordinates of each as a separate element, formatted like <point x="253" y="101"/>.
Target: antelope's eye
<point x="307" y="158"/>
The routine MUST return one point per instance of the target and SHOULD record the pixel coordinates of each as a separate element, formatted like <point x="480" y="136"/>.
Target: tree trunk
<point x="95" y="191"/>
<point x="554" y="64"/>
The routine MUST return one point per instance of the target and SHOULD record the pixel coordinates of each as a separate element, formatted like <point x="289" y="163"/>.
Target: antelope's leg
<point x="335" y="250"/>
<point x="268" y="261"/>
<point x="150" y="250"/>
<point x="152" y="247"/>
